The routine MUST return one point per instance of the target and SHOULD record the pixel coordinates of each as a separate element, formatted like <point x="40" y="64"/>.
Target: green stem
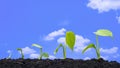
<point x="40" y="57"/>
<point x="64" y="52"/>
<point x="97" y="47"/>
<point x="22" y="54"/>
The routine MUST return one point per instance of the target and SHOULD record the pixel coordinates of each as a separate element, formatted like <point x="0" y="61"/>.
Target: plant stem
<point x="64" y="52"/>
<point x="97" y="47"/>
<point x="22" y="54"/>
<point x="40" y="57"/>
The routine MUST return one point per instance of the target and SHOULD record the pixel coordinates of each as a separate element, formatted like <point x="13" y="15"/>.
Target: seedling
<point x="101" y="32"/>
<point x="64" y="50"/>
<point x="70" y="41"/>
<point x="21" y="52"/>
<point x="42" y="54"/>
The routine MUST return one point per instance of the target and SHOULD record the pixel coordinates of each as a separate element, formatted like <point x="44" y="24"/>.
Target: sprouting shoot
<point x="101" y="32"/>
<point x="70" y="41"/>
<point x="21" y="52"/>
<point x="42" y="54"/>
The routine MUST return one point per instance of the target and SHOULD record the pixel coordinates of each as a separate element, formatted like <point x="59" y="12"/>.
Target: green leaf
<point x="103" y="32"/>
<point x="19" y="49"/>
<point x="36" y="45"/>
<point x="56" y="50"/>
<point x="45" y="55"/>
<point x="89" y="46"/>
<point x="70" y="39"/>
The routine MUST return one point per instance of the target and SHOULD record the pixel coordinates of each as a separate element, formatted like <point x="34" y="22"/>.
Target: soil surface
<point x="57" y="63"/>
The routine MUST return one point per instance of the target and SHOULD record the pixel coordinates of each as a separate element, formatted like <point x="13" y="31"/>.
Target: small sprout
<point x="21" y="52"/>
<point x="64" y="50"/>
<point x="42" y="54"/>
<point x="70" y="41"/>
<point x="101" y="32"/>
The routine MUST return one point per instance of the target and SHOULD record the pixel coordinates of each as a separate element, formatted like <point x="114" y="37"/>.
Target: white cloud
<point x="104" y="5"/>
<point x="116" y="56"/>
<point x="79" y="44"/>
<point x="105" y="57"/>
<point x="9" y="51"/>
<point x="52" y="57"/>
<point x="28" y="50"/>
<point x="87" y="58"/>
<point x="54" y="34"/>
<point x="112" y="50"/>
<point x="118" y="18"/>
<point x="61" y="40"/>
<point x="34" y="56"/>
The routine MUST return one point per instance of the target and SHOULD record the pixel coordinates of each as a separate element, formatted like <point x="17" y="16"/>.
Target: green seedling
<point x="21" y="52"/>
<point x="101" y="32"/>
<point x="42" y="54"/>
<point x="70" y="41"/>
<point x="64" y="50"/>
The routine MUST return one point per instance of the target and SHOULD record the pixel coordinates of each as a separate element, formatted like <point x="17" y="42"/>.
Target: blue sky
<point x="24" y="22"/>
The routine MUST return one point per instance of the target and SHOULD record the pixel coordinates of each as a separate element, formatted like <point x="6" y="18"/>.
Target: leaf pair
<point x="42" y="54"/>
<point x="70" y="41"/>
<point x="101" y="32"/>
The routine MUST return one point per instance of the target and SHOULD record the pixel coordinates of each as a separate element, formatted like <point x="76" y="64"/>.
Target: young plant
<point x="70" y="41"/>
<point x="101" y="32"/>
<point x="21" y="52"/>
<point x="42" y="54"/>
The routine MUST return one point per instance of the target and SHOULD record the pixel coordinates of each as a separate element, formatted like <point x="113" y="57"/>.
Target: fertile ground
<point x="57" y="63"/>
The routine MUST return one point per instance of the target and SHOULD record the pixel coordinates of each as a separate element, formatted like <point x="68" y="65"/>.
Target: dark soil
<point x="57" y="63"/>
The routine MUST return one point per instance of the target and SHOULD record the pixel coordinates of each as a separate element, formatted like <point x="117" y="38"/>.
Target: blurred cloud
<point x="87" y="58"/>
<point x="54" y="34"/>
<point x="61" y="40"/>
<point x="34" y="56"/>
<point x="104" y="5"/>
<point x="28" y="50"/>
<point x="112" y="50"/>
<point x="81" y="42"/>
<point x="9" y="51"/>
<point x="116" y="56"/>
<point x="118" y="19"/>
<point x="109" y="53"/>
<point x="52" y="57"/>
<point x="105" y="57"/>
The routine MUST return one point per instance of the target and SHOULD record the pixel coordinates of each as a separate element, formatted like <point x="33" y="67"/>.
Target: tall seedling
<point x="101" y="32"/>
<point x="21" y="52"/>
<point x="42" y="54"/>
<point x="70" y="41"/>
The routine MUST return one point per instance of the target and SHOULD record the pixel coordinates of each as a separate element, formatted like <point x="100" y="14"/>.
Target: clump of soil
<point x="57" y="63"/>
